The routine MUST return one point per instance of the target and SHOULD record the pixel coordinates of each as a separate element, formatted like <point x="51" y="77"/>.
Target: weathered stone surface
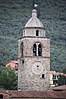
<point x="29" y="76"/>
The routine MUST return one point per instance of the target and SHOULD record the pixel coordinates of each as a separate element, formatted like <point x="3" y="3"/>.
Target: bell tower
<point x="34" y="57"/>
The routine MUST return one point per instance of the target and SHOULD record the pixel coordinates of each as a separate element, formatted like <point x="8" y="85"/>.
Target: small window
<point x="22" y="61"/>
<point x="43" y="76"/>
<point x="1" y="96"/>
<point x="54" y="76"/>
<point x="37" y="32"/>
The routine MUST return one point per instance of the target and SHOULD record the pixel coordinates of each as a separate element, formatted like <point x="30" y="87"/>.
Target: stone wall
<point x="26" y="79"/>
<point x="28" y="46"/>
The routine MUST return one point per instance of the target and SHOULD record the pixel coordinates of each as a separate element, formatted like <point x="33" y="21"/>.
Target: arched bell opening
<point x="37" y="49"/>
<point x="34" y="50"/>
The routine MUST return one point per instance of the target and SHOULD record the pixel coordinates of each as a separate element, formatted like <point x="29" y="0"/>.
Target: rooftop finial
<point x="34" y="13"/>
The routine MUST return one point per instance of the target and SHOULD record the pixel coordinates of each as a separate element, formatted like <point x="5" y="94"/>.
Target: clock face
<point x="37" y="68"/>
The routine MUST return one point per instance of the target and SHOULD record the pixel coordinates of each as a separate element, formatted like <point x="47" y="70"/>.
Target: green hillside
<point x="13" y="16"/>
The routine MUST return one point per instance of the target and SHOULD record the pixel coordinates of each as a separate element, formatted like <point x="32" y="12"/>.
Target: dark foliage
<point x="61" y="80"/>
<point x="8" y="79"/>
<point x="13" y="16"/>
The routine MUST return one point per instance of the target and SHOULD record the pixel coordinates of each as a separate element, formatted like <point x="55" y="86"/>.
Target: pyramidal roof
<point x="34" y="21"/>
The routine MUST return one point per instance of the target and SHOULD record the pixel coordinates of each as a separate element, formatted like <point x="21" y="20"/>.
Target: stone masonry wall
<point x="26" y="79"/>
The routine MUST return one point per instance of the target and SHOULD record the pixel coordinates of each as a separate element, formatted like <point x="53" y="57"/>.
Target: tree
<point x="64" y="70"/>
<point x="8" y="78"/>
<point x="61" y="80"/>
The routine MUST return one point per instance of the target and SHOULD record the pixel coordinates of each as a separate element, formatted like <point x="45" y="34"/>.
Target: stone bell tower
<point x="34" y="57"/>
